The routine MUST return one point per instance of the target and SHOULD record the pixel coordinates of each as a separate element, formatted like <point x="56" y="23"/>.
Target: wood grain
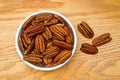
<point x="102" y="15"/>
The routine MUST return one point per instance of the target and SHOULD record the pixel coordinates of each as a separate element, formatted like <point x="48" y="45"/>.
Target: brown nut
<point x="62" y="44"/>
<point x="88" y="48"/>
<point x="33" y="58"/>
<point x="64" y="57"/>
<point x="26" y="38"/>
<point x="44" y="17"/>
<point x="69" y="37"/>
<point x="102" y="39"/>
<point x="85" y="30"/>
<point x="61" y="54"/>
<point x="20" y="43"/>
<point x="47" y="34"/>
<point x="51" y="22"/>
<point x="51" y="52"/>
<point x="28" y="22"/>
<point x="58" y="32"/>
<point x="39" y="44"/>
<point x="30" y="47"/>
<point x="35" y="29"/>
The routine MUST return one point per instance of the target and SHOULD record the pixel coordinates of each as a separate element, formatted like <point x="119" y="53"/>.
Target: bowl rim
<point x="20" y="52"/>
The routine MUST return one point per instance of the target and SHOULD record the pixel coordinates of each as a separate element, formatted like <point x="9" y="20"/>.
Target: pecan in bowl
<point x="46" y="40"/>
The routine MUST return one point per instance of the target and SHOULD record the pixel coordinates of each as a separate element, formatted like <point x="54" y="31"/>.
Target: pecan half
<point x="69" y="37"/>
<point x="102" y="39"/>
<point x="62" y="44"/>
<point x="28" y="22"/>
<point x="34" y="55"/>
<point x="85" y="30"/>
<point x="51" y="22"/>
<point x="61" y="54"/>
<point x="24" y="43"/>
<point x="44" y="17"/>
<point x="57" y="36"/>
<point x="20" y="43"/>
<point x="35" y="29"/>
<point x="64" y="57"/>
<point x="47" y="34"/>
<point x="26" y="38"/>
<point x="51" y="52"/>
<point x="32" y="58"/>
<point x="59" y="32"/>
<point x="30" y="47"/>
<point x="89" y="49"/>
<point x="59" y="29"/>
<point x="39" y="44"/>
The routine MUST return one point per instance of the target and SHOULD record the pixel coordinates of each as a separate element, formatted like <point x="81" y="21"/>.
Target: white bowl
<point x="20" y="52"/>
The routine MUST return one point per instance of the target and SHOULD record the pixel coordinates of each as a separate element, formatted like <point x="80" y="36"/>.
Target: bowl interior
<point x="19" y="32"/>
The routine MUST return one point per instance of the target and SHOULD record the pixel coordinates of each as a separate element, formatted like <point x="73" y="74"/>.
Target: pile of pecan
<point x="46" y="40"/>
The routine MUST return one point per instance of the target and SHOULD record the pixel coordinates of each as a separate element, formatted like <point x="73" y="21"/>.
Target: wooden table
<point x="102" y="15"/>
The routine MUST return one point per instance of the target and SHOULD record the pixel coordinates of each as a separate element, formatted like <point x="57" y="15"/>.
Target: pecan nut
<point x="32" y="58"/>
<point x="35" y="29"/>
<point x="39" y="44"/>
<point x="44" y="17"/>
<point x="34" y="55"/>
<point x="51" y="52"/>
<point x="51" y="22"/>
<point x="85" y="30"/>
<point x="69" y="37"/>
<point x="64" y="57"/>
<point x="62" y="44"/>
<point x="89" y="49"/>
<point x="57" y="36"/>
<point x="58" y="32"/>
<point x="47" y="33"/>
<point x="20" y="43"/>
<point x="26" y="38"/>
<point x="59" y="29"/>
<point x="24" y="43"/>
<point x="102" y="39"/>
<point x="61" y="54"/>
<point x="30" y="47"/>
<point x="28" y="22"/>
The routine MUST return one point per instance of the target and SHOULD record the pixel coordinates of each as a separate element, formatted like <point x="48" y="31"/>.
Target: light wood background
<point x="102" y="15"/>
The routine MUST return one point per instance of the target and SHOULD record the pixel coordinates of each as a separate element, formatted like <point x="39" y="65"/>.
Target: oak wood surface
<point x="102" y="15"/>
